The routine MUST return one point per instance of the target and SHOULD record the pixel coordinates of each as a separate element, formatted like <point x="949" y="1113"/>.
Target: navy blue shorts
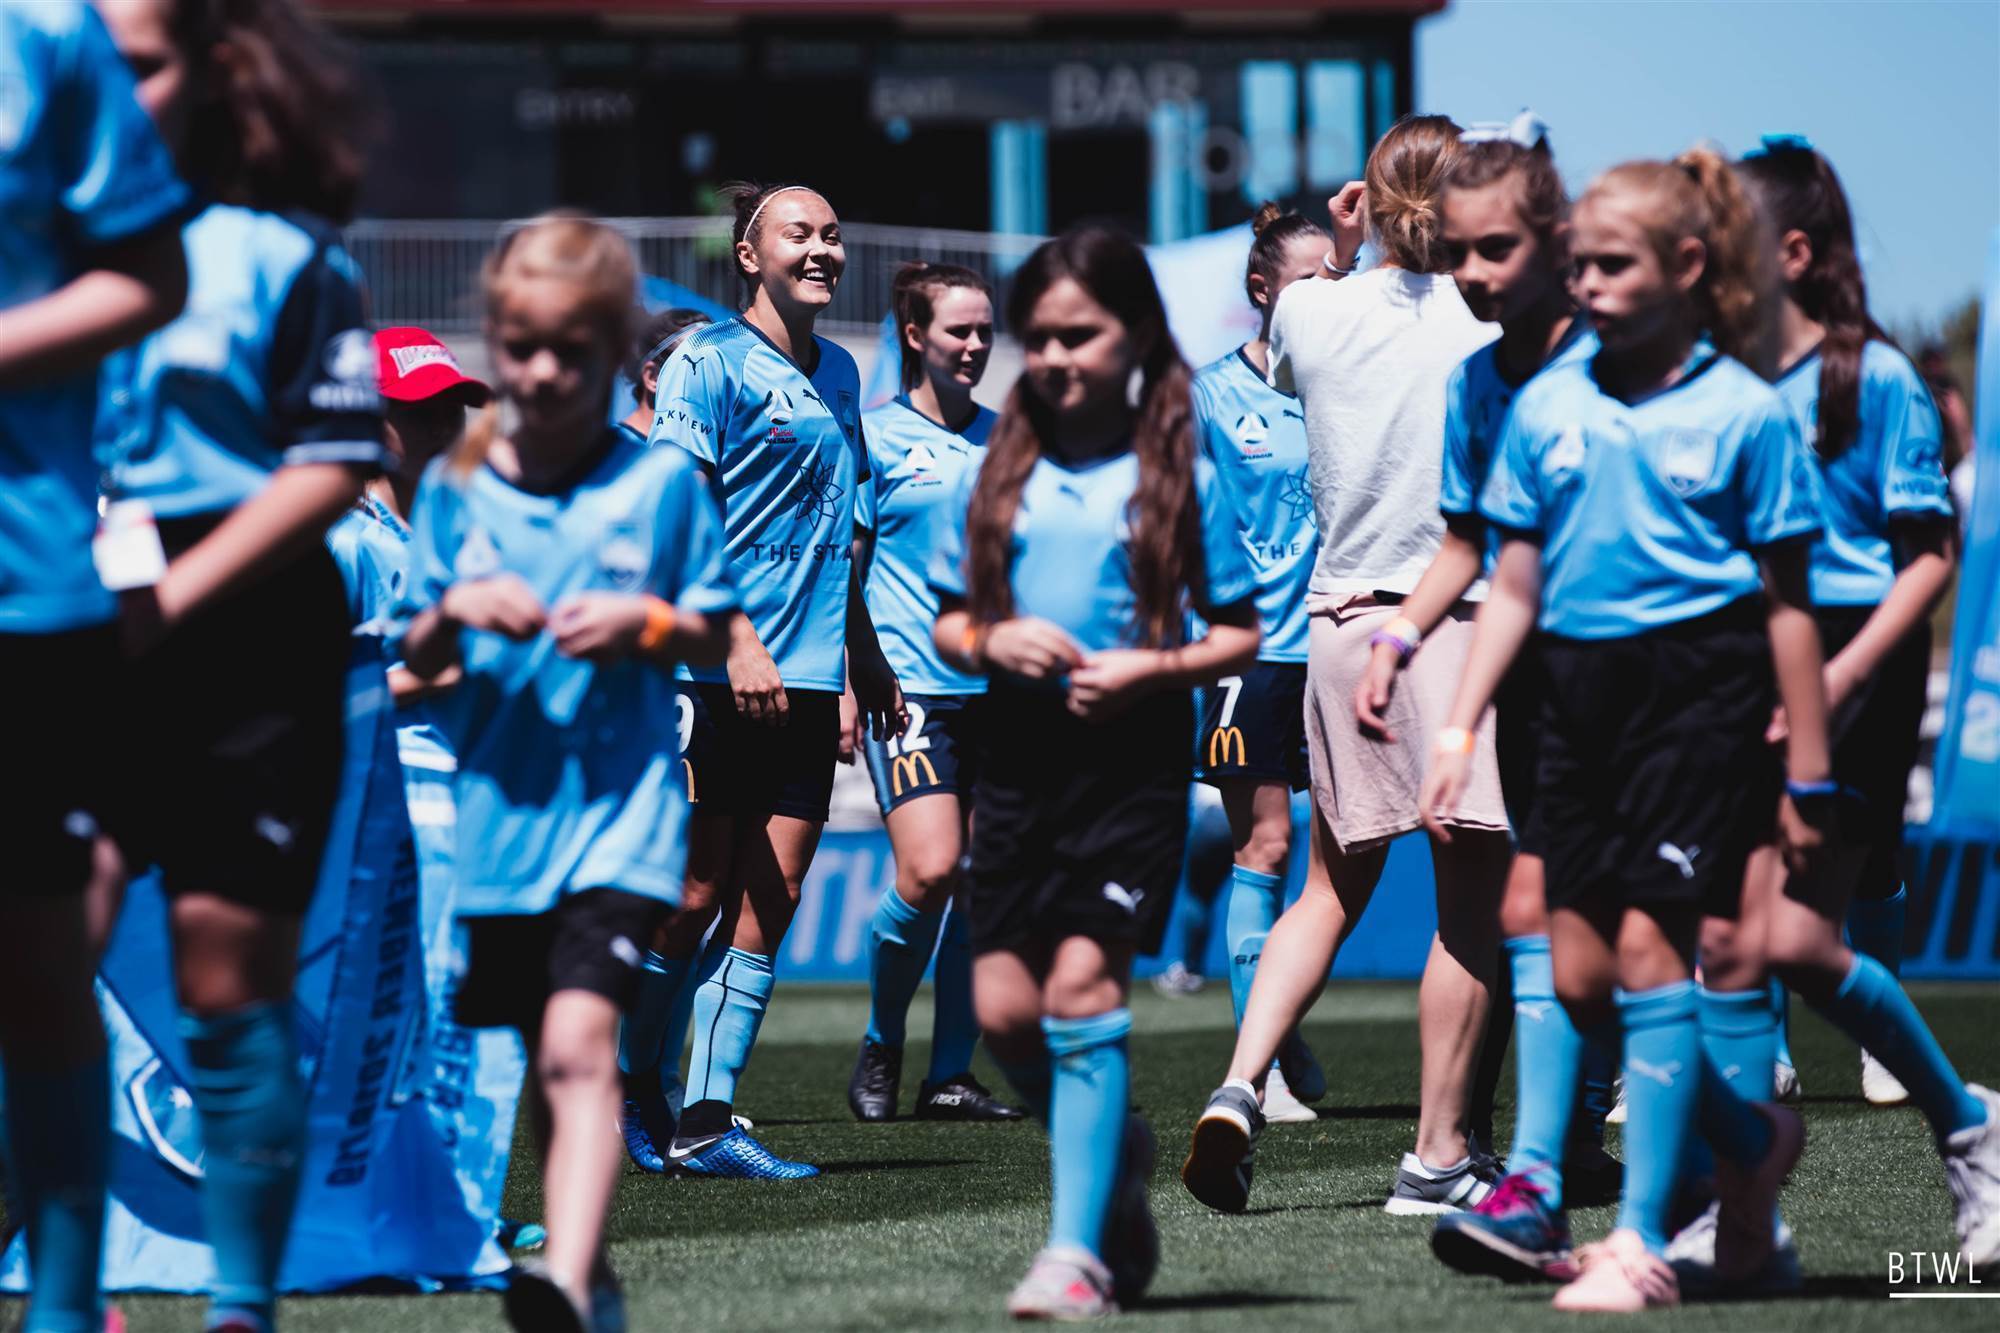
<point x="1874" y="734"/>
<point x="935" y="755"/>
<point x="733" y="766"/>
<point x="63" y="747"/>
<point x="1253" y="726"/>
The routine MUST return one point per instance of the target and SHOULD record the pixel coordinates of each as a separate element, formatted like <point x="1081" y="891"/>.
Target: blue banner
<point x="380" y="1199"/>
<point x="1968" y="753"/>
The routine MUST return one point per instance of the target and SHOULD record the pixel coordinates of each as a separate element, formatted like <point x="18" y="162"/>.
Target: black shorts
<point x="735" y="766"/>
<point x="1656" y="779"/>
<point x="590" y="941"/>
<point x="59" y="689"/>
<point x="936" y="754"/>
<point x="236" y="725"/>
<point x="1517" y="744"/>
<point x="1078" y="828"/>
<point x="1253" y="726"/>
<point x="1875" y="734"/>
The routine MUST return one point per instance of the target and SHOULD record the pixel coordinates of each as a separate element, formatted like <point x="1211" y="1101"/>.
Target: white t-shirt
<point x="1369" y="357"/>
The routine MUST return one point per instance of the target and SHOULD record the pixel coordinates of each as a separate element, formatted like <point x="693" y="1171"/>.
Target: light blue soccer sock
<point x="1872" y="1007"/>
<point x="954" y="1025"/>
<point x="244" y="1073"/>
<point x="1662" y="1088"/>
<point x="642" y="1041"/>
<point x="1092" y="1089"/>
<point x="58" y="1137"/>
<point x="1875" y="928"/>
<point x="1739" y="1035"/>
<point x="1254" y="901"/>
<point x="900" y="941"/>
<point x="1031" y="1080"/>
<point x="729" y="1007"/>
<point x="1548" y="1055"/>
<point x="1780" y="1002"/>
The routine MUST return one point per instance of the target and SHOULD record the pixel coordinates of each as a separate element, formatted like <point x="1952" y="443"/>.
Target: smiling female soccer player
<point x="771" y="411"/>
<point x="1065" y="574"/>
<point x="919" y="445"/>
<point x="90" y="259"/>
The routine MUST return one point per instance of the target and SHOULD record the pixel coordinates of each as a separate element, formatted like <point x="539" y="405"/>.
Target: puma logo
<point x="1122" y="897"/>
<point x="1534" y="1010"/>
<point x="1661" y="1074"/>
<point x="1684" y="860"/>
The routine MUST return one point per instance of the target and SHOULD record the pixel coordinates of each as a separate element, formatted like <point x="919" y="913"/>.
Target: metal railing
<point x="426" y="272"/>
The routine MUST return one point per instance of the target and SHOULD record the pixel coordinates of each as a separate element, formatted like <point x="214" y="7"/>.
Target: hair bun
<point x="1267" y="213"/>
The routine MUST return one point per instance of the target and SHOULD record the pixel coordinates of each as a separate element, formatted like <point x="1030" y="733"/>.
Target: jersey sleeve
<point x="691" y="405"/>
<point x="119" y="179"/>
<point x="1226" y="574"/>
<point x="696" y="574"/>
<point x="865" y="505"/>
<point x="321" y="373"/>
<point x="1457" y="492"/>
<point x="1913" y="481"/>
<point x="351" y="558"/>
<point x="1780" y="485"/>
<point x="946" y="574"/>
<point x="1511" y="498"/>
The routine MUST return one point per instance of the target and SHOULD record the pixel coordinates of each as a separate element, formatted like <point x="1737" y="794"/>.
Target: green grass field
<point x="918" y="1226"/>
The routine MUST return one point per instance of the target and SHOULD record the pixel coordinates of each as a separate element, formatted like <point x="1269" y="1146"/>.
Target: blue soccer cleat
<point x="737" y="1156"/>
<point x="1513" y="1235"/>
<point x="640" y="1144"/>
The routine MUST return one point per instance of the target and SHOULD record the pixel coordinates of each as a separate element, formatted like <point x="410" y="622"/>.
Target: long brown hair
<point x="1800" y="192"/>
<point x="1166" y="524"/>
<point x="1405" y="176"/>
<point x="1699" y="195"/>
<point x="913" y="297"/>
<point x="281" y="125"/>
<point x="591" y="258"/>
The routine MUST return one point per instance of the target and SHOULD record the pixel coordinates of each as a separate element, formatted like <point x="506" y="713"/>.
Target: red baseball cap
<point x="412" y="365"/>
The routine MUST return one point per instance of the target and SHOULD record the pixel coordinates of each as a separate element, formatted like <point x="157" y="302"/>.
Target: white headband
<point x="1527" y="129"/>
<point x="751" y="225"/>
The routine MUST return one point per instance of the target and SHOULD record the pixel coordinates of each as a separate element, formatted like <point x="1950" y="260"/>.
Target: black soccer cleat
<point x="878" y="1078"/>
<point x="962" y="1097"/>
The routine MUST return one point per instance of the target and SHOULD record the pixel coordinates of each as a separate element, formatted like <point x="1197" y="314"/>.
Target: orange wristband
<point x="659" y="624"/>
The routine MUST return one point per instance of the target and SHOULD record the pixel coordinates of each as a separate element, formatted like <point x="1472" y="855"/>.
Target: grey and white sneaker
<point x="1132" y="1238"/>
<point x="1281" y="1107"/>
<point x="1972" y="1170"/>
<point x="1784" y="1082"/>
<point x="1616" y="1115"/>
<point x="1066" y="1285"/>
<point x="1691" y="1254"/>
<point x="1878" y="1085"/>
<point x="1422" y="1191"/>
<point x="1221" y="1156"/>
<point x="1177" y="983"/>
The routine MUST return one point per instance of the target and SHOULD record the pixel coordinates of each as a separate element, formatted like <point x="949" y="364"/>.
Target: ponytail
<point x="913" y="297"/>
<point x="1405" y="176"/>
<point x="1800" y="192"/>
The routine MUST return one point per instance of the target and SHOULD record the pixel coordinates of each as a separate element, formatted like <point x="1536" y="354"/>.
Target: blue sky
<point x="1903" y="97"/>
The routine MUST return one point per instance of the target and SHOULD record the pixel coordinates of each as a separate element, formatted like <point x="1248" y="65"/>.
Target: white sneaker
<point x="1691" y="1254"/>
<point x="1176" y="982"/>
<point x="1784" y="1082"/>
<point x="1616" y="1115"/>
<point x="1972" y="1170"/>
<point x="1878" y="1085"/>
<point x="1280" y="1106"/>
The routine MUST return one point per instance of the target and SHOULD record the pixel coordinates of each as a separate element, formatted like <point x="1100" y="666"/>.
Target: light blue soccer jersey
<point x="1069" y="560"/>
<point x="1893" y="469"/>
<point x="270" y="364"/>
<point x="915" y="465"/>
<point x="80" y="167"/>
<point x="1648" y="513"/>
<point x="371" y="546"/>
<point x="785" y="458"/>
<point x="568" y="773"/>
<point x="1256" y="438"/>
<point x="1476" y="399"/>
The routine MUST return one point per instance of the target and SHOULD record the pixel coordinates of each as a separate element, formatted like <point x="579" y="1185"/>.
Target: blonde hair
<point x="571" y="248"/>
<point x="1699" y="195"/>
<point x="1405" y="177"/>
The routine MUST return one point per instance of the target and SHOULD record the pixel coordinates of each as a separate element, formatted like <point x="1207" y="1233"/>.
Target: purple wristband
<point x="1402" y="645"/>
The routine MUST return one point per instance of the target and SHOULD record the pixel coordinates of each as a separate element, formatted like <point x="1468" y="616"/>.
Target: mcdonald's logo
<point x="903" y="772"/>
<point x="1219" y="742"/>
<point x="687" y="767"/>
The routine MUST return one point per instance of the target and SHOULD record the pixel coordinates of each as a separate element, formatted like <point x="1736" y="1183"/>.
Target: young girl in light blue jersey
<point x="565" y="568"/>
<point x="244" y="429"/>
<point x="1648" y="496"/>
<point x="771" y="413"/>
<point x="1066" y="573"/>
<point x="90" y="259"/>
<point x="919" y="445"/>
<point x="1878" y="569"/>
<point x="1250" y="744"/>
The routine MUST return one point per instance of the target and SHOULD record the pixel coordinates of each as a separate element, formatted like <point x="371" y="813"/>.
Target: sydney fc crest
<point x="1687" y="459"/>
<point x="622" y="556"/>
